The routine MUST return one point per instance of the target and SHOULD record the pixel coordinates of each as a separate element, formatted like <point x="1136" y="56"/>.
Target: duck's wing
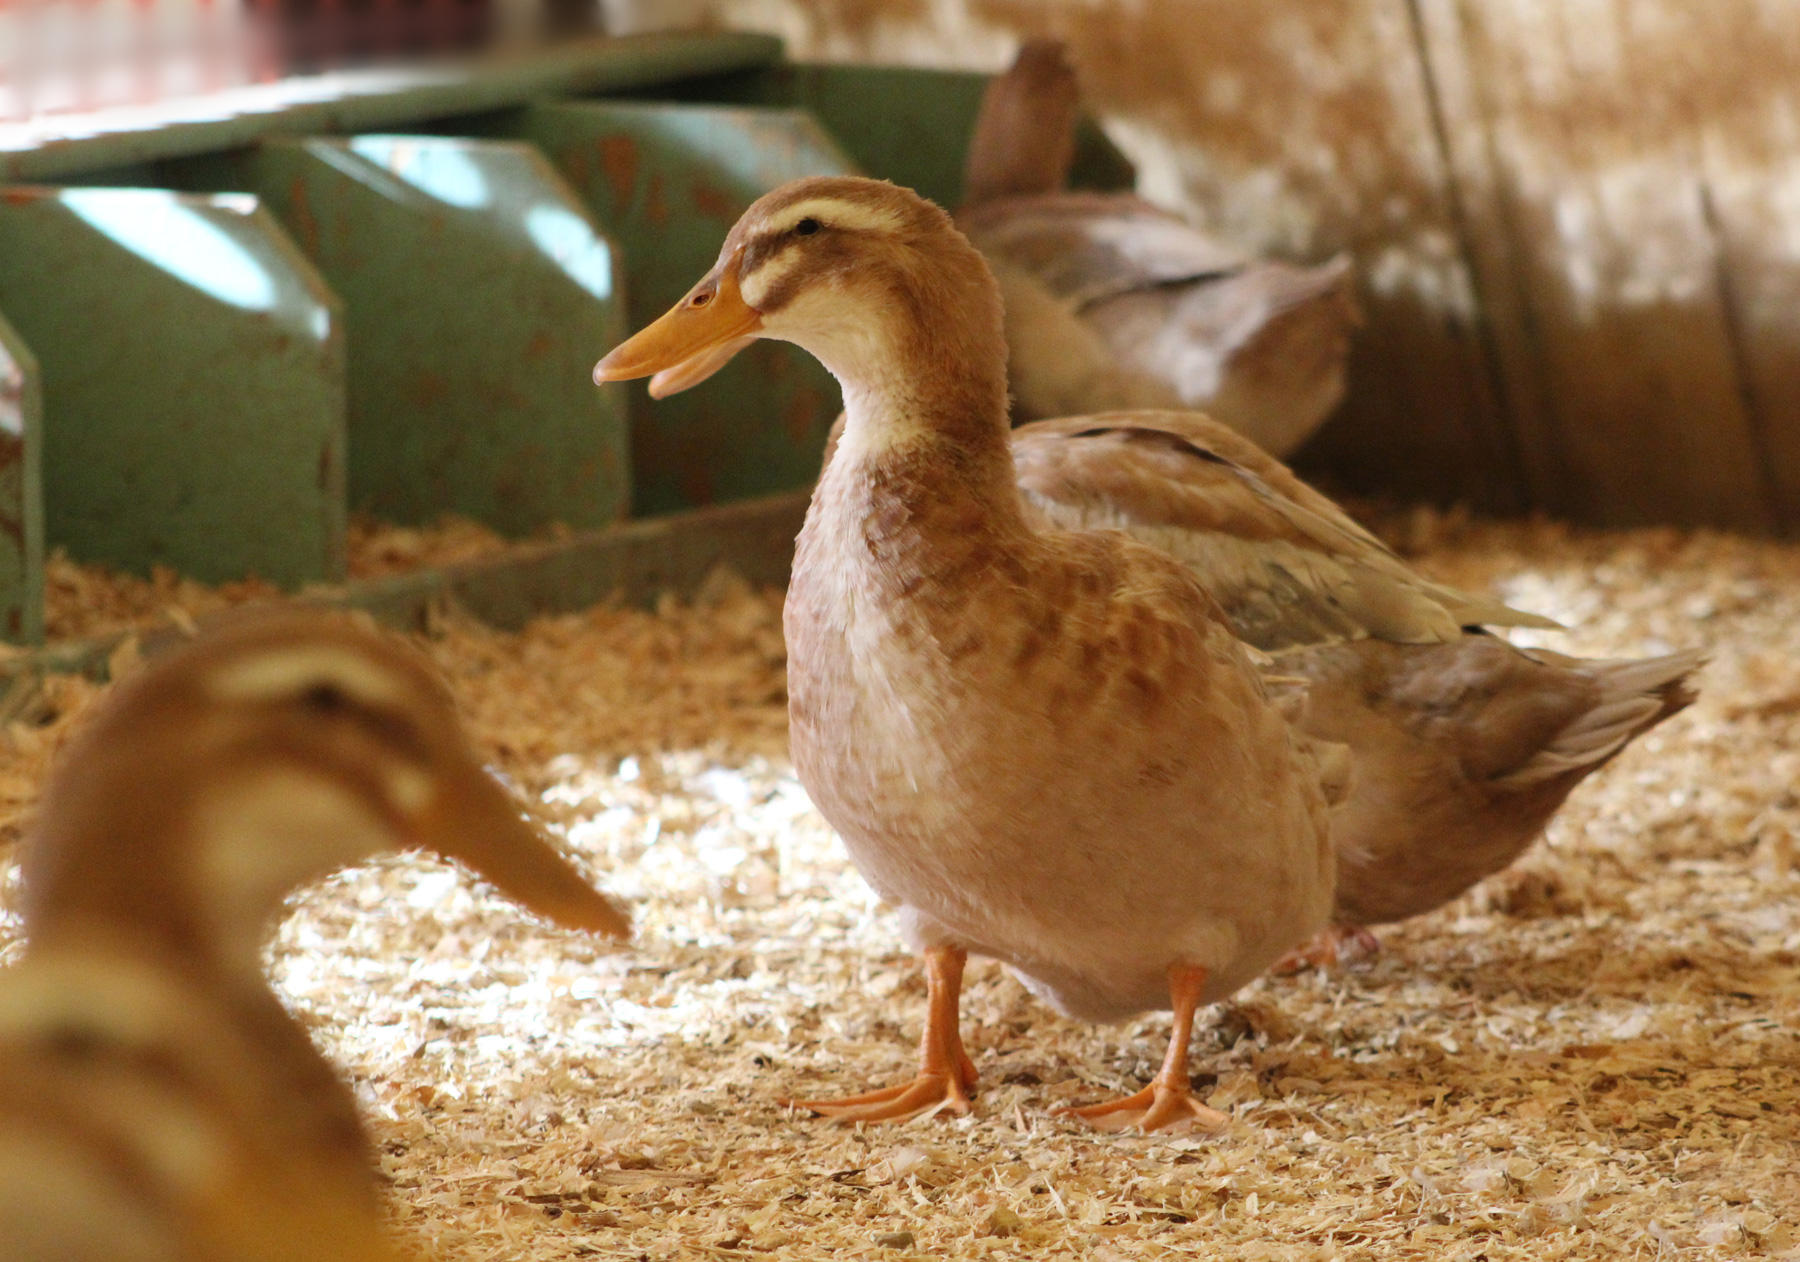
<point x="1288" y="566"/>
<point x="1087" y="247"/>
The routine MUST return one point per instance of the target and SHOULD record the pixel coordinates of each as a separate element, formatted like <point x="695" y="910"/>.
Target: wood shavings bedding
<point x="82" y="600"/>
<point x="1594" y="1055"/>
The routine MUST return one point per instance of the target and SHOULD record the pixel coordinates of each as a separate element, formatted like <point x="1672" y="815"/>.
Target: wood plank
<point x="1749" y="147"/>
<point x="1497" y="275"/>
<point x="1597" y="259"/>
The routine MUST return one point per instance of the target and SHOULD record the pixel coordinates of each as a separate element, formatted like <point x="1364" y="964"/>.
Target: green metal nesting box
<point x="478" y="294"/>
<point x="386" y="290"/>
<point x="193" y="381"/>
<point x="21" y="491"/>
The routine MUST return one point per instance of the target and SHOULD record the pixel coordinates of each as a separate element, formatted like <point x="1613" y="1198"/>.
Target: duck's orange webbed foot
<point x="1327" y="949"/>
<point x="946" y="1076"/>
<point x="926" y="1093"/>
<point x="1168" y="1100"/>
<point x="1157" y="1106"/>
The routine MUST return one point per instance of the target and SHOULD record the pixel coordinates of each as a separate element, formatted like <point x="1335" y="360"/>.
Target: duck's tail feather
<point x="1635" y="695"/>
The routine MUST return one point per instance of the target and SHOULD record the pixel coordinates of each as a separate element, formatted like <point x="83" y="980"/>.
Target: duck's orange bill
<point x="691" y="372"/>
<point x="713" y="316"/>
<point x="474" y="820"/>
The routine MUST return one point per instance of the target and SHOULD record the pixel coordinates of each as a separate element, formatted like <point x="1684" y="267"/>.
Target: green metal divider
<point x="193" y="382"/>
<point x="478" y="295"/>
<point x="909" y="126"/>
<point x="668" y="182"/>
<point x="21" y="491"/>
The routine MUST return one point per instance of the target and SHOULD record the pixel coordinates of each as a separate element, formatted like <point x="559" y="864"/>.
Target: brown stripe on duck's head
<point x="270" y="750"/>
<point x="860" y="273"/>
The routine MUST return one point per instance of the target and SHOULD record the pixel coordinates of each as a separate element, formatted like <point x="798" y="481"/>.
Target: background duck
<point x="1463" y="747"/>
<point x="156" y="1099"/>
<point x="1045" y="747"/>
<point x="1112" y="302"/>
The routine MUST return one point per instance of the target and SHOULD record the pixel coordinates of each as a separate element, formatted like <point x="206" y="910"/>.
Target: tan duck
<point x="1112" y="302"/>
<point x="1048" y="748"/>
<point x="156" y="1100"/>
<point x="1463" y="747"/>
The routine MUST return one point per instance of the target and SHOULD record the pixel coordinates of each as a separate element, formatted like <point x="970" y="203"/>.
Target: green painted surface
<point x="192" y="424"/>
<point x="478" y="294"/>
<point x="667" y="182"/>
<point x="21" y="492"/>
<point x="59" y="147"/>
<point x="193" y="382"/>
<point x="905" y="125"/>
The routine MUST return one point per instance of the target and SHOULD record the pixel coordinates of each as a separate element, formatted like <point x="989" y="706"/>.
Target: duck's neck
<point x="204" y="872"/>
<point x="932" y="433"/>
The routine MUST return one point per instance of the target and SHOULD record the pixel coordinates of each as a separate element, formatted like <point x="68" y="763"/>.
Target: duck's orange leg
<point x="1333" y="945"/>
<point x="946" y="1074"/>
<point x="1168" y="1099"/>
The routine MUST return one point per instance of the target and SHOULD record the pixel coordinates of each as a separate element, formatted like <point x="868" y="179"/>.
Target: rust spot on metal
<point x="428" y="389"/>
<point x="656" y="205"/>
<point x="305" y="222"/>
<point x="540" y="345"/>
<point x="619" y="161"/>
<point x="681" y="456"/>
<point x="12" y="473"/>
<point x="716" y="202"/>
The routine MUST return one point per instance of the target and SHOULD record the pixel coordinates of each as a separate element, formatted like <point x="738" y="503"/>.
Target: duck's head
<point x="271" y="750"/>
<point x="870" y="278"/>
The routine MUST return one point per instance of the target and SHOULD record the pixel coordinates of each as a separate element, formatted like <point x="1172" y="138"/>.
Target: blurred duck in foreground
<point x="1112" y="302"/>
<point x="1048" y="748"/>
<point x="156" y="1100"/>
<point x="1462" y="746"/>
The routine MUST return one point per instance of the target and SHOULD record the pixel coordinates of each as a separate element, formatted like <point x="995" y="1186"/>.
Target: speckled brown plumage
<point x="1462" y="747"/>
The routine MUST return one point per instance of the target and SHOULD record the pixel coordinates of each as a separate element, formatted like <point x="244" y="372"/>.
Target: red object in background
<point x="60" y="56"/>
<point x="321" y="34"/>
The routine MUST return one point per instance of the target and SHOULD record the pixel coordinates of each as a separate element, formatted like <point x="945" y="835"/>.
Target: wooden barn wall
<point x="1577" y="222"/>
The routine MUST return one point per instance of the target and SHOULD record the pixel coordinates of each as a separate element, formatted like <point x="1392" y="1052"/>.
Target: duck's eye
<point x="806" y="227"/>
<point x="324" y="698"/>
<point x="700" y="299"/>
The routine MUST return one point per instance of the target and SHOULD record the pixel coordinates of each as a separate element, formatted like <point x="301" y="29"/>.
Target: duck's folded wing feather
<point x="1286" y="564"/>
<point x="1087" y="247"/>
